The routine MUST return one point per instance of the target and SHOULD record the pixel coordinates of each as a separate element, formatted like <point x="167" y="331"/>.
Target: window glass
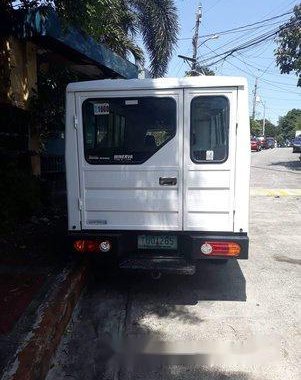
<point x="209" y="117"/>
<point x="127" y="130"/>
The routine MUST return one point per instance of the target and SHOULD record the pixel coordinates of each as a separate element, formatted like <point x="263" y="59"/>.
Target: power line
<point x="264" y="72"/>
<point x="245" y="26"/>
<point x="256" y="34"/>
<point x="280" y="89"/>
<point x="248" y="44"/>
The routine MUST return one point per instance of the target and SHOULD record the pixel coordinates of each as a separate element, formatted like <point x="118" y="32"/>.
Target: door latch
<point x="168" y="181"/>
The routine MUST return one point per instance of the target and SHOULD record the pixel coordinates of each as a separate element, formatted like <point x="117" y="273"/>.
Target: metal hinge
<point x="236" y="128"/>
<point x="75" y="121"/>
<point x="80" y="204"/>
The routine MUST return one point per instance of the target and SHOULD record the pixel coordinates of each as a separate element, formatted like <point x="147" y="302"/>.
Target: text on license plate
<point x="157" y="242"/>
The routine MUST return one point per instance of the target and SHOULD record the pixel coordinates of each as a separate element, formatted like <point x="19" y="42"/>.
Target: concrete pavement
<point x="253" y="304"/>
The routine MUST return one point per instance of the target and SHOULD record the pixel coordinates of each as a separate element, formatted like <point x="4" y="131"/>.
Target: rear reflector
<point x="92" y="246"/>
<point x="220" y="248"/>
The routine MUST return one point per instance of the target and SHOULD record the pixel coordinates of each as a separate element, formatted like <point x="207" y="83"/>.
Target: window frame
<point x="202" y="162"/>
<point x="103" y="99"/>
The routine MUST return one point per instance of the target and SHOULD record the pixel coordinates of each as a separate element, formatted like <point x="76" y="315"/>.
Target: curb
<point x="33" y="357"/>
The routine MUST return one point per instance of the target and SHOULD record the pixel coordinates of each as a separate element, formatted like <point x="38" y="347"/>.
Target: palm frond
<point x="158" y="23"/>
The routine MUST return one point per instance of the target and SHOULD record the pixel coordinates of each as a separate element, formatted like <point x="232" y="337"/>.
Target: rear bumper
<point x="124" y="246"/>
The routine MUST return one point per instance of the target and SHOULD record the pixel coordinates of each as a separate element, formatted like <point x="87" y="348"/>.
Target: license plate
<point x="157" y="242"/>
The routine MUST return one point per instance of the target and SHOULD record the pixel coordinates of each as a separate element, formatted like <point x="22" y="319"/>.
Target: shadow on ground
<point x="113" y="307"/>
<point x="210" y="283"/>
<point x="294" y="165"/>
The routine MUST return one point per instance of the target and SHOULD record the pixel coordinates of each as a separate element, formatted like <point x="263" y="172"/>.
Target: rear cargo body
<point x="159" y="167"/>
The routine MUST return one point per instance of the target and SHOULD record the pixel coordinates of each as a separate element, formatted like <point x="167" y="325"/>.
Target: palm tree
<point x="119" y="22"/>
<point x="158" y="23"/>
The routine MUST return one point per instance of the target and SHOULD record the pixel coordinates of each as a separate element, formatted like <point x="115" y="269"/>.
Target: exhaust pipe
<point x="155" y="274"/>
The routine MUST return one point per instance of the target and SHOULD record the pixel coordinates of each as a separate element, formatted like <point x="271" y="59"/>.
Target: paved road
<point x="275" y="168"/>
<point x="254" y="303"/>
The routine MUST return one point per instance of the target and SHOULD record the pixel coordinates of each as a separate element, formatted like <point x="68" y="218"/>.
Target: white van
<point x="158" y="170"/>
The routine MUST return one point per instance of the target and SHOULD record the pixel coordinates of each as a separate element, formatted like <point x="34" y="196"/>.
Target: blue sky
<point x="278" y="91"/>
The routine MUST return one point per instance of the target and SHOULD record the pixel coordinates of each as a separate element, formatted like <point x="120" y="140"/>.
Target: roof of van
<point x="159" y="83"/>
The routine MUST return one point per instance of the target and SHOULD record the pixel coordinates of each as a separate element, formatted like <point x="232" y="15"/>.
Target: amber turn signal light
<point x="220" y="248"/>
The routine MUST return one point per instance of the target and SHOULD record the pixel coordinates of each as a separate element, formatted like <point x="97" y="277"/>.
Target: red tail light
<point x="92" y="246"/>
<point x="220" y="248"/>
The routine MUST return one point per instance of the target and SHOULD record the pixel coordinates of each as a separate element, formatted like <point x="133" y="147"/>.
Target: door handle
<point x="168" y="181"/>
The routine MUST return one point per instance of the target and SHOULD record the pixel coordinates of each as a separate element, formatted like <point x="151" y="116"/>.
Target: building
<point x="34" y="44"/>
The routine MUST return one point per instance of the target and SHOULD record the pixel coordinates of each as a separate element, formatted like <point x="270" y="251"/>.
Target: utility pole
<point x="263" y="120"/>
<point x="195" y="39"/>
<point x="254" y="99"/>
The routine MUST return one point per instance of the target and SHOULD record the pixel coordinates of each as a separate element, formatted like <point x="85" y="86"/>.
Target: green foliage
<point x="19" y="192"/>
<point x="288" y="53"/>
<point x="256" y="127"/>
<point x="270" y="129"/>
<point x="157" y="21"/>
<point x="118" y="22"/>
<point x="290" y="123"/>
<point x="199" y="70"/>
<point x="47" y="105"/>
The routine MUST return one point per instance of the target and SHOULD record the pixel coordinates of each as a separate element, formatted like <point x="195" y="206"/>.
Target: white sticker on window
<point x="209" y="155"/>
<point x="101" y="109"/>
<point x="131" y="102"/>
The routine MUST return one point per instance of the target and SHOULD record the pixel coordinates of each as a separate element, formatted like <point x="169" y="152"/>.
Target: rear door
<point x="209" y="159"/>
<point x="130" y="166"/>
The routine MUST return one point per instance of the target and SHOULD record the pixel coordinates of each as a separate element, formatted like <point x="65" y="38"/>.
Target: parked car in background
<point x="261" y="140"/>
<point x="255" y="144"/>
<point x="297" y="144"/>
<point x="270" y="143"/>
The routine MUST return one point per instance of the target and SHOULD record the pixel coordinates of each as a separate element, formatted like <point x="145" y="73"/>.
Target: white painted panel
<point x="208" y="179"/>
<point x="208" y="200"/>
<point x="132" y="220"/>
<point x="131" y="200"/>
<point x="71" y="159"/>
<point x="209" y="187"/>
<point x="105" y="178"/>
<point x="208" y="221"/>
<point x="243" y="158"/>
<point x="130" y="197"/>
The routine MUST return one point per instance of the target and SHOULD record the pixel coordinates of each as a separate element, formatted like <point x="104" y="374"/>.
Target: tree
<point x="199" y="70"/>
<point x="256" y="127"/>
<point x="118" y="22"/>
<point x="271" y="130"/>
<point x="288" y="53"/>
<point x="290" y="123"/>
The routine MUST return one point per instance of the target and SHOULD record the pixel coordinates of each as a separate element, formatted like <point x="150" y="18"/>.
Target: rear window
<point x="209" y="117"/>
<point x="127" y="130"/>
